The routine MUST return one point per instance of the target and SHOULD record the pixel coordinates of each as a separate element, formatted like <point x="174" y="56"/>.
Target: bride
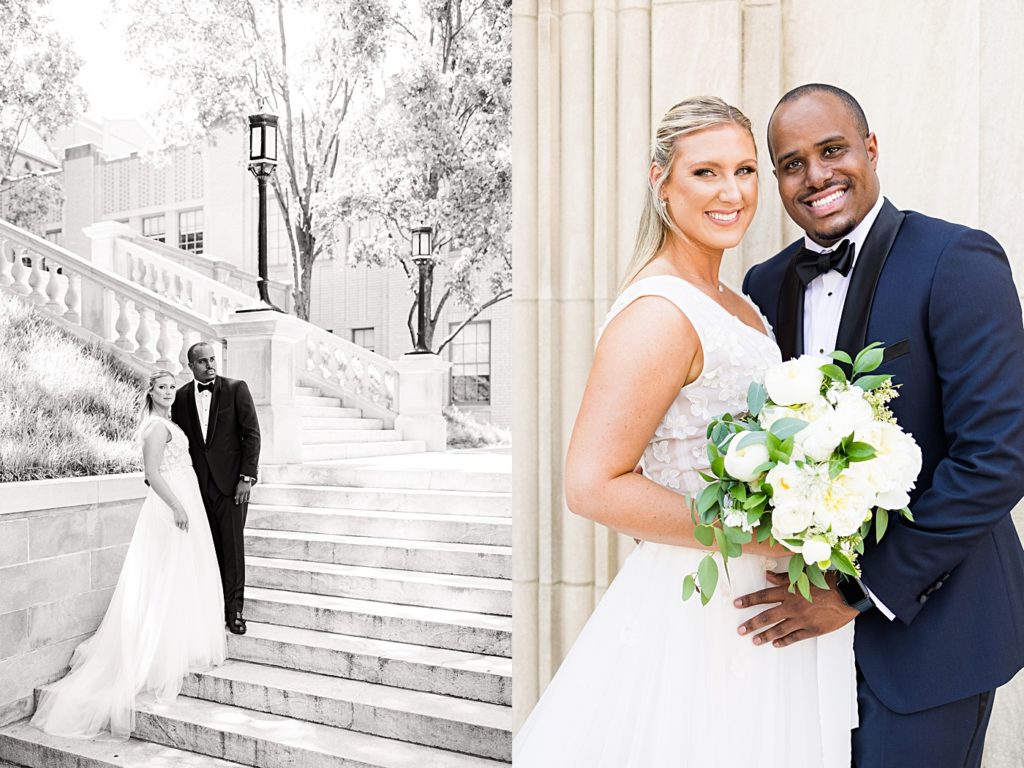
<point x="652" y="681"/>
<point x="166" y="614"/>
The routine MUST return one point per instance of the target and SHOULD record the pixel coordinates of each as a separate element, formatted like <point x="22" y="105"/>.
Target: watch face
<point x="852" y="592"/>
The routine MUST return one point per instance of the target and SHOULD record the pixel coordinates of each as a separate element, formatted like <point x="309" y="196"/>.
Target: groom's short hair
<point x="805" y="90"/>
<point x="191" y="354"/>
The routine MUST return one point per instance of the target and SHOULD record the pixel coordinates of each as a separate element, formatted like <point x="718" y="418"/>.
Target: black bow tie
<point x="810" y="264"/>
<point x="204" y="387"/>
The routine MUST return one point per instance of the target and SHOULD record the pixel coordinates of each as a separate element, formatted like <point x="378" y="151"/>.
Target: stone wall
<point x="590" y="80"/>
<point x="62" y="543"/>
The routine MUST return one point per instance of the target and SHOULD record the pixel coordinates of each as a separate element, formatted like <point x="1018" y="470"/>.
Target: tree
<point x="436" y="150"/>
<point x="305" y="60"/>
<point x="38" y="91"/>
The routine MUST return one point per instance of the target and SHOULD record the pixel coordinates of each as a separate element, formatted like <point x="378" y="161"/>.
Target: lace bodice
<point x="175" y="450"/>
<point x="734" y="355"/>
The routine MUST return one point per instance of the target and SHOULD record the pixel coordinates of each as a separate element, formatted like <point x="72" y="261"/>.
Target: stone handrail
<point x="222" y="271"/>
<point x="137" y="325"/>
<point x="136" y="260"/>
<point x="340" y="368"/>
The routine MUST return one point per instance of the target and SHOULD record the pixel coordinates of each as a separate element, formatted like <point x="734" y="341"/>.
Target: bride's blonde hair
<point x="687" y="116"/>
<point x="146" y="406"/>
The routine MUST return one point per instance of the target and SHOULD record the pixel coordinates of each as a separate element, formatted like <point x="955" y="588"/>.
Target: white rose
<point x="816" y="551"/>
<point x="741" y="462"/>
<point x="795" y="381"/>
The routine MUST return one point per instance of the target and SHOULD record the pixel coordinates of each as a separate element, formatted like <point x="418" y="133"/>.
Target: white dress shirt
<point x="824" y="298"/>
<point x="203" y="406"/>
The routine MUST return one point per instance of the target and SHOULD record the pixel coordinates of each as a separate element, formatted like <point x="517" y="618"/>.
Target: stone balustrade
<point x="89" y="299"/>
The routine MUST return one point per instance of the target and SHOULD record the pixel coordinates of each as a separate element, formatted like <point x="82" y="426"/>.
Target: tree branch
<point x="500" y="297"/>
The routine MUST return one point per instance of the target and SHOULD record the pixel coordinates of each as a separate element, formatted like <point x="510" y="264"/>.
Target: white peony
<point x="795" y="381"/>
<point x="796" y="493"/>
<point x="894" y="470"/>
<point x="816" y="550"/>
<point x="852" y="410"/>
<point x="846" y="503"/>
<point x="741" y="462"/>
<point x="829" y="424"/>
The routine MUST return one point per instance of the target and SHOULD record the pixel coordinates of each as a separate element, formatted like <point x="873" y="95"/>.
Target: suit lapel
<point x="192" y="412"/>
<point x="212" y="424"/>
<point x="853" y="326"/>
<point x="790" y="333"/>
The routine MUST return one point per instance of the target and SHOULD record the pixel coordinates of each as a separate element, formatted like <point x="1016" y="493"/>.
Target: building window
<point x="279" y="248"/>
<point x="154" y="227"/>
<point x="55" y="236"/>
<point x="364" y="338"/>
<point x="190" y="231"/>
<point x="471" y="364"/>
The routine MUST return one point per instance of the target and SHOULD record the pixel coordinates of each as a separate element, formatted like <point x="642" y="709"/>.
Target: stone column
<point x="265" y="349"/>
<point x="421" y="380"/>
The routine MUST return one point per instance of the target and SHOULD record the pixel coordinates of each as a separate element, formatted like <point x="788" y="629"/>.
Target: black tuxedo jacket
<point x="941" y="297"/>
<point x="232" y="445"/>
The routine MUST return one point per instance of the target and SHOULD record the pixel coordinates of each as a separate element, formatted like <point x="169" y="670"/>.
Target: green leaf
<point x="804" y="586"/>
<point x="763" y="467"/>
<point x="756" y="397"/>
<point x="787" y="427"/>
<point x="796" y="567"/>
<point x="869" y="358"/>
<point x="689" y="587"/>
<point x="881" y="523"/>
<point x="753" y="500"/>
<point x="737" y="535"/>
<point x="750" y="438"/>
<point x="857" y="451"/>
<point x="718" y="467"/>
<point x="868" y="383"/>
<point x="705" y="534"/>
<point x="763" y="532"/>
<point x="836" y="465"/>
<point x="834" y="372"/>
<point x="707" y="499"/>
<point x="816" y="576"/>
<point x="841" y="356"/>
<point x="739" y="492"/>
<point x="843" y="563"/>
<point x="708" y="478"/>
<point x="707" y="573"/>
<point x="907" y="514"/>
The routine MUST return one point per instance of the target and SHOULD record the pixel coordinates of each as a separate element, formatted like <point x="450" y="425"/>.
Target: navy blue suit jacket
<point x="942" y="298"/>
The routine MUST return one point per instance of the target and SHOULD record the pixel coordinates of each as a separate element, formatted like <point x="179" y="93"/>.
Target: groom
<point x="219" y="418"/>
<point x="940" y="609"/>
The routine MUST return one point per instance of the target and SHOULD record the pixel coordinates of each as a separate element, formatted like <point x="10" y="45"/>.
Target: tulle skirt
<point x="653" y="682"/>
<point x="166" y="618"/>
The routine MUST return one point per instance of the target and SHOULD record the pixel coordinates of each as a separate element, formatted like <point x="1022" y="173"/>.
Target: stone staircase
<point x="330" y="431"/>
<point x="379" y="605"/>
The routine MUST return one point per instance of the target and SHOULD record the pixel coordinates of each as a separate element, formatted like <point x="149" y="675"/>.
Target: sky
<point x="115" y="87"/>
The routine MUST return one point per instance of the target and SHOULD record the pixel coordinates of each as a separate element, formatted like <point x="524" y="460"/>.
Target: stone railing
<point x="87" y="298"/>
<point x="223" y="272"/>
<point x="341" y="368"/>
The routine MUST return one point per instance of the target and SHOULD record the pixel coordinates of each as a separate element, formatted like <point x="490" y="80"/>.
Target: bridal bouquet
<point x="814" y="463"/>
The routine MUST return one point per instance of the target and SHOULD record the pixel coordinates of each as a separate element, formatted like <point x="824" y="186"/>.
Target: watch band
<point x="854" y="594"/>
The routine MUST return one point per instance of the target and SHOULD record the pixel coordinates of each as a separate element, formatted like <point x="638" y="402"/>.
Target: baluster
<point x="54" y="292"/>
<point x="187" y="337"/>
<point x="137" y="269"/>
<point x="334" y="363"/>
<point x="20" y="273"/>
<point x="389" y="388"/>
<point x="175" y="289"/>
<point x="186" y="293"/>
<point x="37" y="280"/>
<point x="5" y="266"/>
<point x="149" y="277"/>
<point x="123" y="324"/>
<point x="160" y="282"/>
<point x="310" y="354"/>
<point x="223" y="309"/>
<point x="163" y="342"/>
<point x="144" y="336"/>
<point x="73" y="297"/>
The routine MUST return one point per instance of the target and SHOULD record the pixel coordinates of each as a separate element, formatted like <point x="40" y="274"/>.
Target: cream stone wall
<point x="939" y="84"/>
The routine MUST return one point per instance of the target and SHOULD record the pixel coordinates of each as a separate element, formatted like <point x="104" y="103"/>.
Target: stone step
<point x="321" y="436"/>
<point x="433" y="627"/>
<point x="23" y="745"/>
<point x="382" y="477"/>
<point x="431" y="590"/>
<point x="422" y="526"/>
<point x="323" y="423"/>
<point x="330" y="412"/>
<point x="401" y="554"/>
<point x="391" y="499"/>
<point x="474" y="676"/>
<point x="264" y="740"/>
<point x="318" y="400"/>
<point x="306" y="391"/>
<point x="445" y="722"/>
<point x="361" y="450"/>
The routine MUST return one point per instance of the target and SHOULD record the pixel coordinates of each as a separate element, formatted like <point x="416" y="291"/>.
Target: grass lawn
<point x="66" y="409"/>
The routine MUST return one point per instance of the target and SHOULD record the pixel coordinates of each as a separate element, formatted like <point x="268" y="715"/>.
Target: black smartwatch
<point x="854" y="594"/>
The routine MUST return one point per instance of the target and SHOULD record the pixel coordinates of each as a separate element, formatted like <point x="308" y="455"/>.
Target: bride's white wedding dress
<point x="166" y="616"/>
<point x="655" y="682"/>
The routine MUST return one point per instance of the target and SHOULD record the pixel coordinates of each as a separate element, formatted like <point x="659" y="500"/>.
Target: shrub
<point x="466" y="432"/>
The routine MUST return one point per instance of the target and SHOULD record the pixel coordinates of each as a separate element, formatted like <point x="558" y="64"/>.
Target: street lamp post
<point x="262" y="161"/>
<point x="424" y="260"/>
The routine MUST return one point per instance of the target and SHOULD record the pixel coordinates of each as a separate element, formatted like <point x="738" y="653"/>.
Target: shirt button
<point x="830" y="293"/>
<point x="822" y="351"/>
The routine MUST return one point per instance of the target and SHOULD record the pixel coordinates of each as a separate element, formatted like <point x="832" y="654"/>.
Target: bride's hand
<point x="180" y="517"/>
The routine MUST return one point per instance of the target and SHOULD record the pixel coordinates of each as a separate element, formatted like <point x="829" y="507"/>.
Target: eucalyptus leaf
<point x="763" y="533"/>
<point x="705" y="534"/>
<point x="689" y="587"/>
<point x="707" y="573"/>
<point x="881" y="523"/>
<point x="756" y="397"/>
<point x="707" y="499"/>
<point x="751" y="438"/>
<point x="787" y="427"/>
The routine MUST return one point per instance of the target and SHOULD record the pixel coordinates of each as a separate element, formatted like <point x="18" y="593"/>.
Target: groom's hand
<point x="793" y="618"/>
<point x="242" y="491"/>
